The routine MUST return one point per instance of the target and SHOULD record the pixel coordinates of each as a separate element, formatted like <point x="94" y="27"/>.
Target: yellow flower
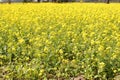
<point x="21" y="40"/>
<point x="92" y="34"/>
<point x="48" y="42"/>
<point x="65" y="61"/>
<point x="27" y="58"/>
<point x="45" y="49"/>
<point x="92" y="42"/>
<point x="60" y="51"/>
<point x="13" y="49"/>
<point x="1" y="62"/>
<point x="114" y="71"/>
<point x="113" y="56"/>
<point x="41" y="72"/>
<point x="101" y="48"/>
<point x="55" y="68"/>
<point x="10" y="44"/>
<point x="73" y="61"/>
<point x="101" y="65"/>
<point x="1" y="56"/>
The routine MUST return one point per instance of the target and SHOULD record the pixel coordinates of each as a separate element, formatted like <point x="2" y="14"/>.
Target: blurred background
<point x="2" y="1"/>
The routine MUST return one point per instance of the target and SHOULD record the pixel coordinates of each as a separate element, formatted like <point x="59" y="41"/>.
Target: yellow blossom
<point x="101" y="65"/>
<point x="60" y="51"/>
<point x="101" y="48"/>
<point x="21" y="40"/>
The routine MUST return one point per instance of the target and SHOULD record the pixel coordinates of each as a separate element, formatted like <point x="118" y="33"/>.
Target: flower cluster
<point x="49" y="40"/>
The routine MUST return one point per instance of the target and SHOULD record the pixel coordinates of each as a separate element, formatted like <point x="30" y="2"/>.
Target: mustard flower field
<point x="51" y="41"/>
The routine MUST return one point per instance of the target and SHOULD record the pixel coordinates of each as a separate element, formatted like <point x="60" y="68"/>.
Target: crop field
<point x="42" y="41"/>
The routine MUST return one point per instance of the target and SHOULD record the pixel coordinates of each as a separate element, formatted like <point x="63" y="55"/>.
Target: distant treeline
<point x="106" y="1"/>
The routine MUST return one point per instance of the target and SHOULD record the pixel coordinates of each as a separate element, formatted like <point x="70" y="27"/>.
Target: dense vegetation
<point x="39" y="41"/>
